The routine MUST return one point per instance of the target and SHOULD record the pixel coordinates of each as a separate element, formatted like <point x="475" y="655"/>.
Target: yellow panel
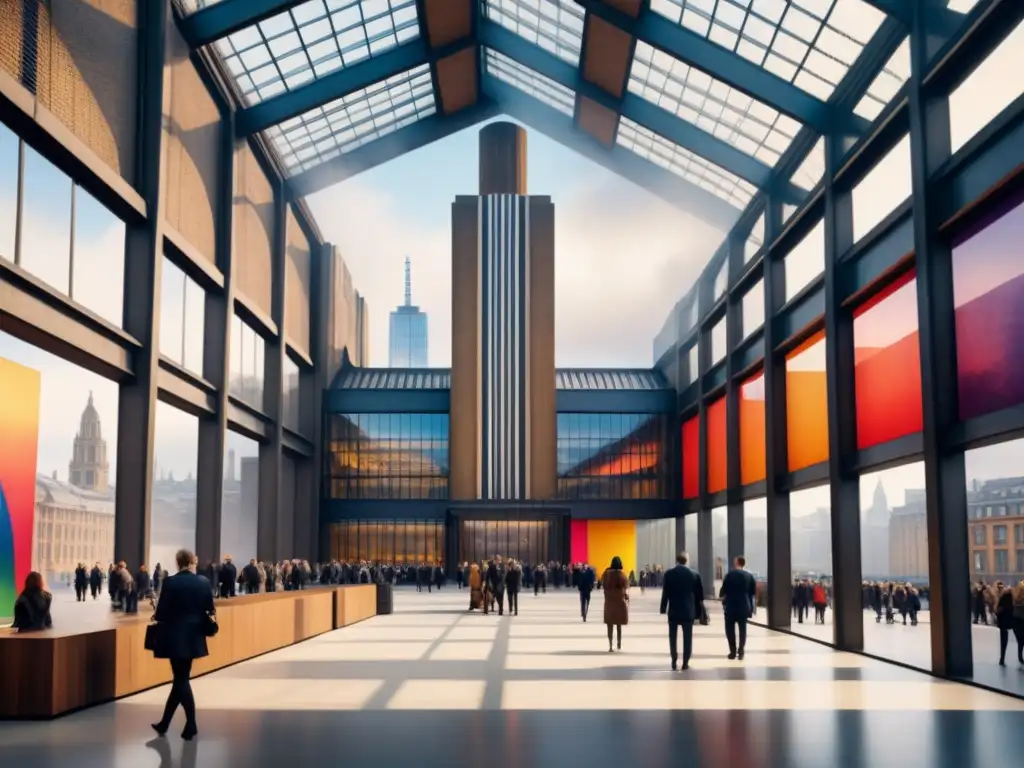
<point x="608" y="538"/>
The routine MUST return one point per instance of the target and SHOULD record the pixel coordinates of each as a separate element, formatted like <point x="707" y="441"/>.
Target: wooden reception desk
<point x="45" y="674"/>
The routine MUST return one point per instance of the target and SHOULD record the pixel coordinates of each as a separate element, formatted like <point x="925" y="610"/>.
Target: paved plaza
<point x="434" y="685"/>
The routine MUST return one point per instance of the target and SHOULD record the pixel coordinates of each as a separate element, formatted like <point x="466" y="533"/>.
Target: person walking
<point x="738" y="592"/>
<point x="185" y="616"/>
<point x="585" y="584"/>
<point x="475" y="583"/>
<point x="616" y="601"/>
<point x="81" y="582"/>
<point x="513" y="582"/>
<point x="682" y="599"/>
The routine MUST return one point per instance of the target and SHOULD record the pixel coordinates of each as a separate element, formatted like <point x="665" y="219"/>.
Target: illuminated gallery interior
<point x="839" y="396"/>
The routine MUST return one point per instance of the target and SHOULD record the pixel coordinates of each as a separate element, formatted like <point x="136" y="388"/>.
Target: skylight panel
<point x="749" y="125"/>
<point x="311" y="40"/>
<point x="810" y="43"/>
<point x="554" y="25"/>
<point x="887" y="84"/>
<point x="529" y="82"/>
<point x="812" y="169"/>
<point x="683" y="163"/>
<point x="354" y="120"/>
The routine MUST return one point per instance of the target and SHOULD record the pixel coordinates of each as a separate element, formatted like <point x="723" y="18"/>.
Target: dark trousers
<point x="513" y="601"/>
<point x="181" y="693"/>
<point x="730" y="633"/>
<point x="673" y="628"/>
<point x="95" y="589"/>
<point x="79" y="593"/>
<point x="584" y="604"/>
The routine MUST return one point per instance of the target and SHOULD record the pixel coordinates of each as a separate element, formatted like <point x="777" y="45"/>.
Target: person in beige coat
<point x="616" y="600"/>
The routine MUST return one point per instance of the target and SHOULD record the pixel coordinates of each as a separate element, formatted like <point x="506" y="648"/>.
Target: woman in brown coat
<point x="616" y="600"/>
<point x="476" y="596"/>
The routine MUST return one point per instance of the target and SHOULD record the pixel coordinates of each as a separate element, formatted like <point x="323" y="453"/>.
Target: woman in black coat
<point x="183" y="613"/>
<point x="32" y="608"/>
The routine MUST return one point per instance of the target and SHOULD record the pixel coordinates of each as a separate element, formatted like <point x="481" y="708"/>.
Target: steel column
<point x="734" y="335"/>
<point x="847" y="610"/>
<point x="142" y="271"/>
<point x="780" y="568"/>
<point x="272" y="518"/>
<point x="945" y="480"/>
<point x="705" y="539"/>
<point x="216" y="354"/>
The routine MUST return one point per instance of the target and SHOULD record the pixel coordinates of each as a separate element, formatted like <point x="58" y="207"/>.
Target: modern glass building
<point x="407" y="331"/>
<point x="859" y="326"/>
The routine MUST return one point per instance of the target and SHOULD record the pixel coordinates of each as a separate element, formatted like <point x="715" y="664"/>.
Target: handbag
<point x="704" y="618"/>
<point x="210" y="625"/>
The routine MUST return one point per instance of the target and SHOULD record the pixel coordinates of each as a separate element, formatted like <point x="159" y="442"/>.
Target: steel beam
<point x="631" y="106"/>
<point x="385" y="149"/>
<point x="618" y="160"/>
<point x="143" y="264"/>
<point x="945" y="476"/>
<point x="209" y="24"/>
<point x="938" y="17"/>
<point x="340" y="83"/>
<point x="728" y="67"/>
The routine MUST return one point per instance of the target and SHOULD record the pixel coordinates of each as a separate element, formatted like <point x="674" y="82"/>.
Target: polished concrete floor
<point x="434" y="685"/>
<point x="912" y="645"/>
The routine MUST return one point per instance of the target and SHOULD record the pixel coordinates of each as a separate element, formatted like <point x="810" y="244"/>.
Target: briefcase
<point x="154" y="633"/>
<point x="704" y="618"/>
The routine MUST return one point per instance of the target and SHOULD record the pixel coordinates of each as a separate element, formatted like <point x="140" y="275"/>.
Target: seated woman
<point x="32" y="608"/>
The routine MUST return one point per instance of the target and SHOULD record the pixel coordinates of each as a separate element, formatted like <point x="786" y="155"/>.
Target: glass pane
<point x="240" y="491"/>
<point x="291" y="394"/>
<point x="753" y="309"/>
<point x="806" y="261"/>
<point x="988" y="291"/>
<point x="811" y="551"/>
<point x="98" y="278"/>
<point x="692" y="540"/>
<point x="530" y="82"/>
<point x="720" y="544"/>
<point x="888" y="370"/>
<point x="894" y="565"/>
<point x="195" y="319"/>
<point x="691" y="458"/>
<point x="719" y="342"/>
<point x="717" y="447"/>
<point x="806" y="404"/>
<point x="988" y="90"/>
<point x="9" y="143"/>
<point x="753" y="460"/>
<point x="46" y="222"/>
<point x="882" y="190"/>
<point x="172" y="312"/>
<point x="235" y="363"/>
<point x="66" y="449"/>
<point x="755" y="541"/>
<point x="176" y="461"/>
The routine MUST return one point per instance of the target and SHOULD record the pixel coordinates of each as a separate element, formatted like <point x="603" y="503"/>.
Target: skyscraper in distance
<point x="407" y="331"/>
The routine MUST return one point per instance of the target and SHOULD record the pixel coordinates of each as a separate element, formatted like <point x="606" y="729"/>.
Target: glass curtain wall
<point x="176" y="465"/>
<point x="612" y="456"/>
<point x="246" y="364"/>
<point x="240" y="492"/>
<point x="811" y="548"/>
<point x="387" y="456"/>
<point x="400" y="542"/>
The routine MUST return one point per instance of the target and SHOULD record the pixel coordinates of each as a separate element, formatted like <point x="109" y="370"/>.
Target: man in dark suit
<point x="585" y="584"/>
<point x="682" y="598"/>
<point x="738" y="593"/>
<point x="95" y="580"/>
<point x="228" y="577"/>
<point x="513" y="581"/>
<point x="496" y="581"/>
<point x="185" y="601"/>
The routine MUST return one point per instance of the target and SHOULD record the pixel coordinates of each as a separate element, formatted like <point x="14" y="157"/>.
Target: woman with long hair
<point x="185" y="617"/>
<point x="616" y="600"/>
<point x="32" y="608"/>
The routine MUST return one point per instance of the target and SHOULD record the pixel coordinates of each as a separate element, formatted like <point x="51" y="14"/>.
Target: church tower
<point x="89" y="468"/>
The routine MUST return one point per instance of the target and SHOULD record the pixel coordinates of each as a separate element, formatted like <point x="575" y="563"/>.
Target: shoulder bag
<point x="210" y="626"/>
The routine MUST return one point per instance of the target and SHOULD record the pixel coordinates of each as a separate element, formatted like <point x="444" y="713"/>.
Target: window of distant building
<point x="979" y="535"/>
<point x="980" y="562"/>
<point x="999" y="534"/>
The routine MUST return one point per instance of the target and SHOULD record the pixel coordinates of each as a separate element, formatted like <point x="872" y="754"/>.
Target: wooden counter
<point x="45" y="674"/>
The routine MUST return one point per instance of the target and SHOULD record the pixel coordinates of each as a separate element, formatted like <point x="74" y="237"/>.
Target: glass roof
<point x="529" y="82"/>
<point x="685" y="164"/>
<point x="311" y="40"/>
<point x="750" y="125"/>
<point x="354" y="120"/>
<point x="554" y="25"/>
<point x="887" y="84"/>
<point x="812" y="169"/>
<point x="810" y="43"/>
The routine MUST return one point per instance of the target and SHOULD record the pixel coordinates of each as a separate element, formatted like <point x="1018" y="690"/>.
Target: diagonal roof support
<point x="341" y="83"/>
<point x="939" y="19"/>
<point x="390" y="147"/>
<point x="631" y="106"/>
<point x="620" y="161"/>
<point x="210" y="24"/>
<point x="730" y="68"/>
